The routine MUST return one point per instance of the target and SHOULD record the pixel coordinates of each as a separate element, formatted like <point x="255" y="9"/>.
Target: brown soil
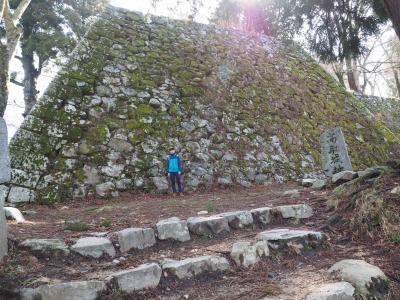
<point x="290" y="276"/>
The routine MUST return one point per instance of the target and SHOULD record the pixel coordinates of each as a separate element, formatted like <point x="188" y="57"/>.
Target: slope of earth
<point x="239" y="108"/>
<point x="289" y="276"/>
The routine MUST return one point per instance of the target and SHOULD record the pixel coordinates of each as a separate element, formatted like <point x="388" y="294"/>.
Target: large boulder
<point x="94" y="247"/>
<point x="332" y="291"/>
<point x="46" y="247"/>
<point x="208" y="225"/>
<point x="82" y="290"/>
<point x="246" y="253"/>
<point x="369" y="280"/>
<point x="173" y="229"/>
<point x="239" y="219"/>
<point x="135" y="238"/>
<point x="145" y="276"/>
<point x="190" y="267"/>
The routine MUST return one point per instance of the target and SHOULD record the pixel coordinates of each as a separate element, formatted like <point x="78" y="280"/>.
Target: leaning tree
<point x="10" y="19"/>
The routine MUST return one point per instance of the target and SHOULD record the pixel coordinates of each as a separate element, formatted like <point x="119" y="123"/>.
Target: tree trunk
<point x="30" y="92"/>
<point x="351" y="76"/>
<point x="393" y="10"/>
<point x="4" y="65"/>
<point x="397" y="81"/>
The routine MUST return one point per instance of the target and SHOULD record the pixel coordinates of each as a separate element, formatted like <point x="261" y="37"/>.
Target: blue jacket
<point x="173" y="164"/>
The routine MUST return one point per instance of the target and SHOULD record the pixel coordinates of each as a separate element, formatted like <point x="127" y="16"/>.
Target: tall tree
<point x="392" y="8"/>
<point x="13" y="33"/>
<point x="51" y="28"/>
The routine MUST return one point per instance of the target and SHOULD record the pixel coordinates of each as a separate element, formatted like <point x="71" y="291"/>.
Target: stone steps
<point x="173" y="229"/>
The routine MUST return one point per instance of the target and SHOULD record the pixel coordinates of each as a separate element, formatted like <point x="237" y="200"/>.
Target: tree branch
<point x="16" y="82"/>
<point x="23" y="5"/>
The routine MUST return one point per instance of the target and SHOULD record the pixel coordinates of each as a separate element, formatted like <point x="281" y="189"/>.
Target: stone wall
<point x="239" y="108"/>
<point x="386" y="110"/>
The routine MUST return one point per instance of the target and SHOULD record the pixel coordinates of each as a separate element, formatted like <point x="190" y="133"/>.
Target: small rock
<point x="338" y="290"/>
<point x="308" y="182"/>
<point x="246" y="253"/>
<point x="94" y="247"/>
<point x="395" y="191"/>
<point x="319" y="184"/>
<point x="202" y="212"/>
<point x="292" y="193"/>
<point x="14" y="214"/>
<point x="155" y="103"/>
<point x="239" y="219"/>
<point x="298" y="211"/>
<point x="343" y="176"/>
<point x="368" y="279"/>
<point x="262" y="216"/>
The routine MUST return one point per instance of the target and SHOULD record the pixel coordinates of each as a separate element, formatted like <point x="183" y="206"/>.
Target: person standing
<point x="174" y="170"/>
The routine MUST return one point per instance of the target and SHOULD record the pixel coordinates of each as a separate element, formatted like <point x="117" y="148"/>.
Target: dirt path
<point x="290" y="276"/>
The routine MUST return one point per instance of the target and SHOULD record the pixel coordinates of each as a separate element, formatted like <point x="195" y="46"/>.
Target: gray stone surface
<point x="135" y="238"/>
<point x="20" y="195"/>
<point x="5" y="176"/>
<point x="246" y="253"/>
<point x="292" y="193"/>
<point x="239" y="219"/>
<point x="262" y="216"/>
<point x="145" y="276"/>
<point x="173" y="229"/>
<point x="332" y="291"/>
<point x="208" y="225"/>
<point x="82" y="290"/>
<point x="190" y="267"/>
<point x="334" y="154"/>
<point x="319" y="184"/>
<point x="46" y="247"/>
<point x="344" y="176"/>
<point x="14" y="214"/>
<point x="369" y="280"/>
<point x="297" y="211"/>
<point x="282" y="238"/>
<point x="308" y="182"/>
<point x="94" y="247"/>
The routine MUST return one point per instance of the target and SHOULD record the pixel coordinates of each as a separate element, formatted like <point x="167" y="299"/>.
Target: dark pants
<point x="176" y="179"/>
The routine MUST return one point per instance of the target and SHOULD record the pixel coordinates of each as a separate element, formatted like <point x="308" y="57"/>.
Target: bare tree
<point x="10" y="20"/>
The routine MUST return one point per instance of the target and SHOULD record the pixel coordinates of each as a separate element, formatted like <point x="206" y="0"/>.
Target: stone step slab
<point x="82" y="290"/>
<point x="173" y="229"/>
<point x="136" y="238"/>
<point x="368" y="279"/>
<point x="46" y="247"/>
<point x="246" y="254"/>
<point x="344" y="176"/>
<point x="94" y="247"/>
<point x="191" y="267"/>
<point x="262" y="216"/>
<point x="333" y="291"/>
<point x="297" y="211"/>
<point x="239" y="219"/>
<point x="212" y="225"/>
<point x="145" y="276"/>
<point x="283" y="237"/>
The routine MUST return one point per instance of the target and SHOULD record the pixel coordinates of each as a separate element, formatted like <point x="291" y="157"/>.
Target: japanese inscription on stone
<point x="334" y="154"/>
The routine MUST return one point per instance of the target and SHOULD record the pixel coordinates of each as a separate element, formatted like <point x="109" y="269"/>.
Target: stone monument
<point x="4" y="177"/>
<point x="334" y="154"/>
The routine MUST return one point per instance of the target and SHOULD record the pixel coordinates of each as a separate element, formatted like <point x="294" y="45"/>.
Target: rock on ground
<point x="368" y="279"/>
<point x="279" y="238"/>
<point x="292" y="193"/>
<point x="344" y="176"/>
<point x="239" y="219"/>
<point x="246" y="253"/>
<point x="46" y="247"/>
<point x="319" y="184"/>
<point x="145" y="276"/>
<point x="262" y="216"/>
<point x="190" y="267"/>
<point x="308" y="182"/>
<point x="298" y="211"/>
<point x="135" y="238"/>
<point x="82" y="290"/>
<point x="332" y="291"/>
<point x="14" y="214"/>
<point x="94" y="247"/>
<point x="173" y="229"/>
<point x="208" y="225"/>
